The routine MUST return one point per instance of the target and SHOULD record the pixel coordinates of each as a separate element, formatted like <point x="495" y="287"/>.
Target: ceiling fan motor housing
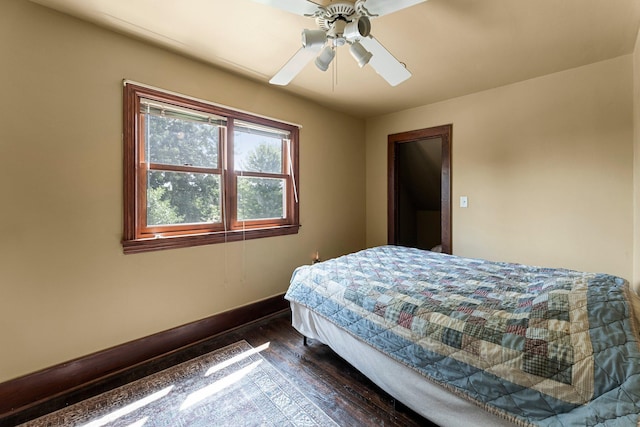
<point x="341" y="21"/>
<point x="340" y="9"/>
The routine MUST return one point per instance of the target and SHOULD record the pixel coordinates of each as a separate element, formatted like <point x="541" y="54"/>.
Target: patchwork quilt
<point x="539" y="346"/>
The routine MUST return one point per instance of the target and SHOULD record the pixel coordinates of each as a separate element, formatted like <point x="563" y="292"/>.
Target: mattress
<point x="404" y="384"/>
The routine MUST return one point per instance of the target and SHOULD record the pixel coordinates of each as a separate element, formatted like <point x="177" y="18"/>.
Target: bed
<point x="466" y="341"/>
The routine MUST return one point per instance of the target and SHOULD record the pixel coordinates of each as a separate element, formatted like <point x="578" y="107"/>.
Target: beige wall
<point x="66" y="288"/>
<point x="547" y="165"/>
<point x="636" y="163"/>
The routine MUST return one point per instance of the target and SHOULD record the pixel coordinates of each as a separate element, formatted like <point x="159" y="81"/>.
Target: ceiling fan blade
<point x="384" y="62"/>
<point x="299" y="7"/>
<point x="297" y="62"/>
<point x="385" y="7"/>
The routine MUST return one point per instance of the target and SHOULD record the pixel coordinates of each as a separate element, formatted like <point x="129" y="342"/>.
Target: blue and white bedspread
<point x="539" y="346"/>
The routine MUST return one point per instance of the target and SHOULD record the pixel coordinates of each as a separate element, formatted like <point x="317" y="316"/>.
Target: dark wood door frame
<point x="444" y="132"/>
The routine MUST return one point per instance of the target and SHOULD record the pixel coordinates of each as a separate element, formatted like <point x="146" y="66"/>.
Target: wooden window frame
<point x="138" y="237"/>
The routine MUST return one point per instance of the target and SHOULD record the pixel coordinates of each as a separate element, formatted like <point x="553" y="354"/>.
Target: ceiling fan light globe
<point x="360" y="54"/>
<point x="358" y="28"/>
<point x="324" y="59"/>
<point x="312" y="38"/>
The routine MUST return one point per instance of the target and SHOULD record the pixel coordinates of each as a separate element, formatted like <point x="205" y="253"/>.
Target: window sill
<point x="175" y="242"/>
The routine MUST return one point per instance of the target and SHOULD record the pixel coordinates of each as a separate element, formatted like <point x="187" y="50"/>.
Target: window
<point x="197" y="173"/>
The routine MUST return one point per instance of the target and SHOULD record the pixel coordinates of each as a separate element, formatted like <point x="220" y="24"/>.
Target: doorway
<point x="419" y="200"/>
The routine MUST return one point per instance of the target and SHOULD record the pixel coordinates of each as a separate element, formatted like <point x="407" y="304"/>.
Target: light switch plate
<point x="464" y="201"/>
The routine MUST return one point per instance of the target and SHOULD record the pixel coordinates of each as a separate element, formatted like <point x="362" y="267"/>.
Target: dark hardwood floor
<point x="331" y="383"/>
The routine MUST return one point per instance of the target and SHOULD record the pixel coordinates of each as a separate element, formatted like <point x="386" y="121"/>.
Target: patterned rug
<point x="232" y="386"/>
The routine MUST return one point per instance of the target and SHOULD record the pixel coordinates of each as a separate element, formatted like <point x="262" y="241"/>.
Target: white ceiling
<point x="452" y="47"/>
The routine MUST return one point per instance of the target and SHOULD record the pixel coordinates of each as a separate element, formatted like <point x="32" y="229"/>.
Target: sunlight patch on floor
<point x="215" y="387"/>
<point x="237" y="358"/>
<point x="139" y="423"/>
<point x="130" y="408"/>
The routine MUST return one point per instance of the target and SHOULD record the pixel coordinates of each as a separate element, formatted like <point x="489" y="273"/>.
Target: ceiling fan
<point x="342" y="23"/>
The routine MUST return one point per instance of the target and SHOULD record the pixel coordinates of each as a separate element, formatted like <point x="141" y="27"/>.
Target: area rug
<point x="232" y="386"/>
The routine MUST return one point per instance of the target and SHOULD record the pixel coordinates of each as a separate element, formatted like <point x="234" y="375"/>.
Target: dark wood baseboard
<point x="30" y="390"/>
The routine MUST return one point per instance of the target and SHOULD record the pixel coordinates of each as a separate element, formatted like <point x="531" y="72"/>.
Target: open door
<point x="419" y="192"/>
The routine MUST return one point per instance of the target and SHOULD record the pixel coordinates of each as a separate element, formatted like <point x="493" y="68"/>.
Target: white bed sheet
<point x="404" y="384"/>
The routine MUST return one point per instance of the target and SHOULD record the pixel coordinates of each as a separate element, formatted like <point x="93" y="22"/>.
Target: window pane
<point x="260" y="198"/>
<point x="172" y="141"/>
<point x="256" y="151"/>
<point x="182" y="198"/>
